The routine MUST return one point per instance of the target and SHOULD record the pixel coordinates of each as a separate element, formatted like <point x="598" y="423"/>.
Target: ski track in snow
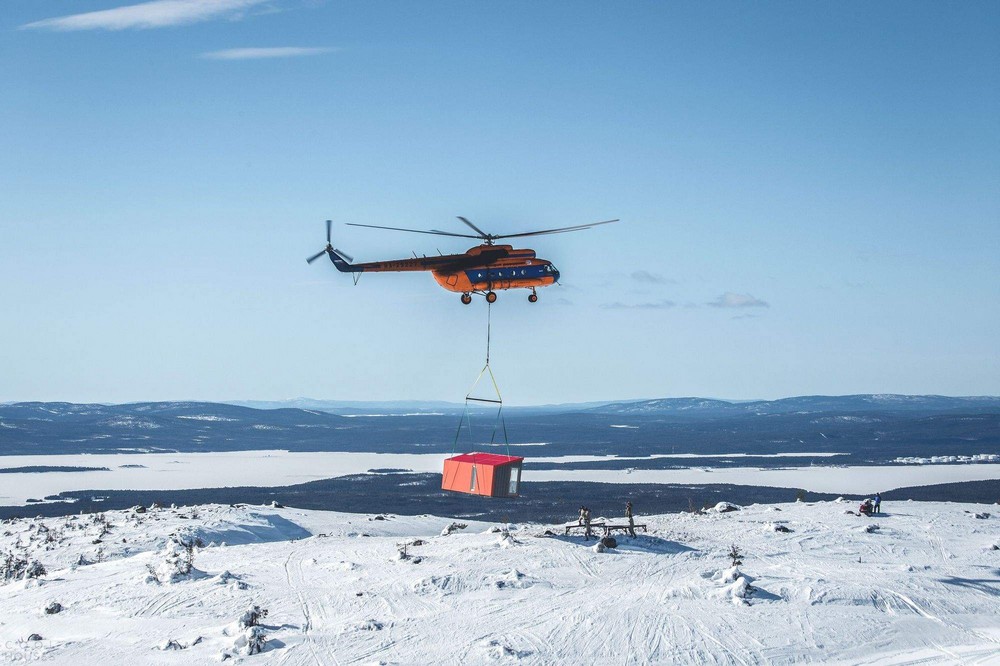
<point x="922" y="589"/>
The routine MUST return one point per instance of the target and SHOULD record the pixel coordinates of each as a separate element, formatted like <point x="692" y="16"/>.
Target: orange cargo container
<point x="488" y="474"/>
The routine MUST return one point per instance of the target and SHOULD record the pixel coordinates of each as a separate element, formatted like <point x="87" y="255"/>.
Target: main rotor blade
<point x="561" y="230"/>
<point x="329" y="223"/>
<point x="451" y="233"/>
<point x="477" y="229"/>
<point x="315" y="256"/>
<point x="412" y="231"/>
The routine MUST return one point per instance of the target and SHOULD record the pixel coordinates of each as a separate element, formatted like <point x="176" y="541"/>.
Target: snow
<point x="977" y="458"/>
<point x="130" y="422"/>
<point x="815" y="478"/>
<point x="172" y="471"/>
<point x="922" y="589"/>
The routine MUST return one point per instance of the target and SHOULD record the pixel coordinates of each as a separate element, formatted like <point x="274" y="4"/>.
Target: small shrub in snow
<point x="609" y="542"/>
<point x="736" y="585"/>
<point x="982" y="516"/>
<point x="35" y="570"/>
<point x="171" y="645"/>
<point x="512" y="578"/>
<point x="781" y="528"/>
<point x="53" y="608"/>
<point x="730" y="575"/>
<point x="506" y="539"/>
<point x="256" y="639"/>
<point x="725" y="507"/>
<point x="227" y="578"/>
<point x="178" y="560"/>
<point x="35" y="637"/>
<point x="735" y="555"/>
<point x="871" y="528"/>
<point x="740" y="590"/>
<point x="252" y="617"/>
<point x="15" y="567"/>
<point x="369" y="625"/>
<point x="453" y="527"/>
<point x="497" y="651"/>
<point x="252" y="641"/>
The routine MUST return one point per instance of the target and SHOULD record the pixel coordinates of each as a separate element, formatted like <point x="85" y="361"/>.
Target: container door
<point x="515" y="479"/>
<point x="472" y="485"/>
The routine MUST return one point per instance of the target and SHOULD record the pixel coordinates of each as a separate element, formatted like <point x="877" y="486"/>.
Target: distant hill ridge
<point x="297" y="407"/>
<point x="807" y="404"/>
<point x="872" y="427"/>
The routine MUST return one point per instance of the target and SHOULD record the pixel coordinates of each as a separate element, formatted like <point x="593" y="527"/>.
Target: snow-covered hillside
<point x="818" y="583"/>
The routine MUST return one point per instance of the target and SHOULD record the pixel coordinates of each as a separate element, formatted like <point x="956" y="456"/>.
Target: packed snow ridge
<point x="788" y="583"/>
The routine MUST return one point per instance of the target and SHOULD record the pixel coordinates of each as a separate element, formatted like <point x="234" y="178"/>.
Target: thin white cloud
<point x="733" y="300"/>
<point x="656" y="305"/>
<point x="257" y="53"/>
<point x="650" y="278"/>
<point x="155" y="14"/>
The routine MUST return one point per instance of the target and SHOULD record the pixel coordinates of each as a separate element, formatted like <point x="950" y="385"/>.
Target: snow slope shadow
<point x="641" y="543"/>
<point x="259" y="528"/>
<point x="990" y="586"/>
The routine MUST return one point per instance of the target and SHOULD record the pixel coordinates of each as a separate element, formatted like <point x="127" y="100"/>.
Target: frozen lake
<point x="175" y="471"/>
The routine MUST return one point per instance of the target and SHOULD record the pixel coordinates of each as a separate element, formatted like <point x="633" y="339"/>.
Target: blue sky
<point x="809" y="196"/>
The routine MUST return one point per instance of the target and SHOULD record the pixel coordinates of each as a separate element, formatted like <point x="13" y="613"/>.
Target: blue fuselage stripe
<point x="506" y="273"/>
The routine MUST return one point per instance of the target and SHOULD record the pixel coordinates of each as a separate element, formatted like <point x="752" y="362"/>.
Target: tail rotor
<point x="329" y="249"/>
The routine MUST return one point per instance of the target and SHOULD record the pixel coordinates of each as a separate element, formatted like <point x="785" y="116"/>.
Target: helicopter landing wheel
<point x="491" y="297"/>
<point x="532" y="297"/>
<point x="466" y="298"/>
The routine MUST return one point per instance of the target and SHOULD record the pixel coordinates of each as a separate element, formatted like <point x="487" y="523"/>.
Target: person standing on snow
<point x="586" y="523"/>
<point x="631" y="521"/>
<point x="878" y="503"/>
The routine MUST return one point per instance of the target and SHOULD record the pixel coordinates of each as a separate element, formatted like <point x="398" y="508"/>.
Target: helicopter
<point x="483" y="269"/>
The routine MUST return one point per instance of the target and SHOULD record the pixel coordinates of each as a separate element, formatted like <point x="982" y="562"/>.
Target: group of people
<point x="585" y="520"/>
<point x="871" y="505"/>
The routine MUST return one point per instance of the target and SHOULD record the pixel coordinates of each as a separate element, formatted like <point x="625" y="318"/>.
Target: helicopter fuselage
<point x="482" y="268"/>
